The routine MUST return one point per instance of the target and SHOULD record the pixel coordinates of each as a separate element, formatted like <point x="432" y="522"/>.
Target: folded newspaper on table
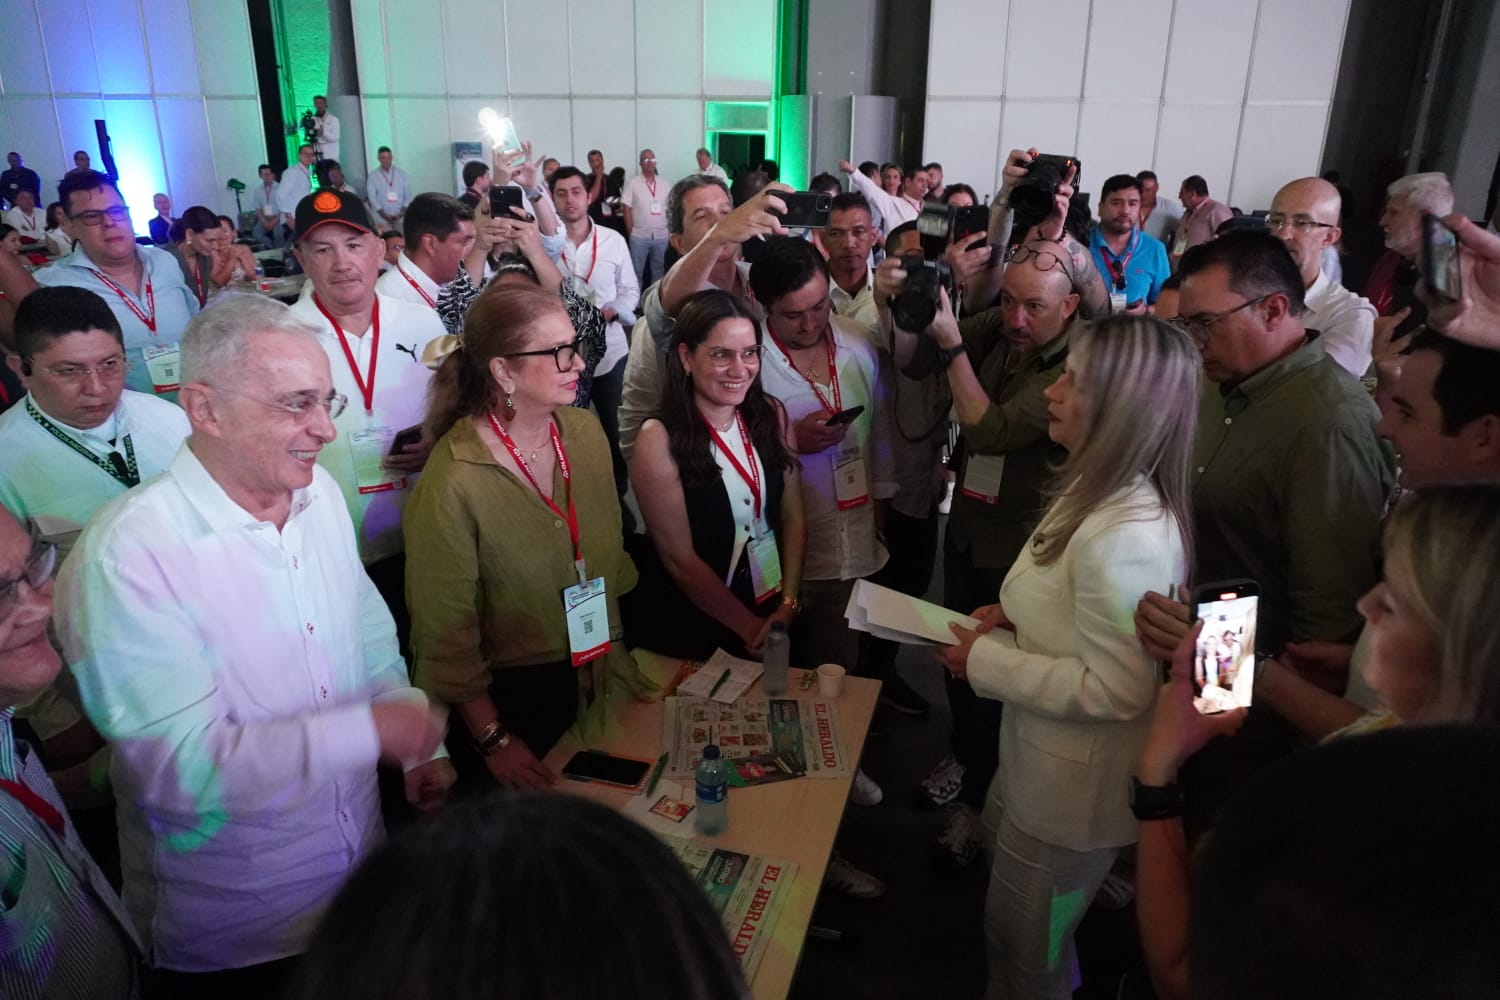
<point x="746" y="890"/>
<point x="888" y="614"/>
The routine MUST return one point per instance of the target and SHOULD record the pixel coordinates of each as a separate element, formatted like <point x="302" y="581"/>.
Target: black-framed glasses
<point x="562" y="354"/>
<point x="110" y="369"/>
<point x="1276" y="222"/>
<point x="1045" y="260"/>
<point x="96" y="217"/>
<point x="40" y="564"/>
<point x="1197" y="326"/>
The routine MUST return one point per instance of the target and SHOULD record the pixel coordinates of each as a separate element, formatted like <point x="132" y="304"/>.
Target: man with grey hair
<point x="644" y="203"/>
<point x="228" y="644"/>
<point x="1391" y="286"/>
<point x="707" y="166"/>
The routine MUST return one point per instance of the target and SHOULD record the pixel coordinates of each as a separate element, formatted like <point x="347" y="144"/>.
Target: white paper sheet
<point x="892" y="615"/>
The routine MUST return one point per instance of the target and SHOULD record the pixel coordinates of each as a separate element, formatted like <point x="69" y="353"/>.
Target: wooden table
<point x="792" y="820"/>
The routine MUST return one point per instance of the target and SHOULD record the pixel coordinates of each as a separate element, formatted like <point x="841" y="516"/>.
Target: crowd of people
<point x="274" y="578"/>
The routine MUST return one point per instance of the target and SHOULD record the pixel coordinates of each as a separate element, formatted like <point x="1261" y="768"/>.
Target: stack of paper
<point x="737" y="676"/>
<point x="889" y="614"/>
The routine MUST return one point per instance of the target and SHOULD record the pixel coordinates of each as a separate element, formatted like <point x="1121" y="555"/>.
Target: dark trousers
<point x="912" y="544"/>
<point x="389" y="577"/>
<point x="266" y="981"/>
<point x="976" y="720"/>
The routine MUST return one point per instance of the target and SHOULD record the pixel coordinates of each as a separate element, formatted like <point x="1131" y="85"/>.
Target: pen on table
<point x="661" y="765"/>
<point x="719" y="683"/>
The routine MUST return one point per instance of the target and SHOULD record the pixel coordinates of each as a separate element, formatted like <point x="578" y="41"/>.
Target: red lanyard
<point x="833" y="373"/>
<point x="562" y="464"/>
<point x="413" y="283"/>
<point x="366" y="389"/>
<point x="1117" y="265"/>
<point x="148" y="317"/>
<point x="36" y="805"/>
<point x="198" y="280"/>
<point x="752" y="477"/>
<point x="594" y="260"/>
<point x="650" y="185"/>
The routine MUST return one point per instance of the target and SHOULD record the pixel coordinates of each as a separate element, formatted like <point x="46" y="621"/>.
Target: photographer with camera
<point x="999" y="363"/>
<point x="1036" y="193"/>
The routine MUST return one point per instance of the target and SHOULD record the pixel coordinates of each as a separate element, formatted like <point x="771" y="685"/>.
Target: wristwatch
<point x="535" y="195"/>
<point x="795" y="603"/>
<point x="492" y="738"/>
<point x="1149" y="802"/>
<point x="948" y="354"/>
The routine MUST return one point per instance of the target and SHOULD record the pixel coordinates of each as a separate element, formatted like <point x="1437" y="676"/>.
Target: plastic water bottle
<point x="774" y="660"/>
<point x="260" y="279"/>
<point x="712" y="781"/>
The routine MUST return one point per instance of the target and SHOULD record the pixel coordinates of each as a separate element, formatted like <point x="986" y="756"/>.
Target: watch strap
<point x="1152" y="802"/>
<point x="492" y="738"/>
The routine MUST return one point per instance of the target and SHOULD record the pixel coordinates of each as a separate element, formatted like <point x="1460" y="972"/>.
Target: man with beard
<point x="1133" y="263"/>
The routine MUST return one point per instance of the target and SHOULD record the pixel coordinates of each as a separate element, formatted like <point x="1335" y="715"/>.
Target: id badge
<point x="656" y="208"/>
<point x="588" y="620"/>
<point x="982" y="477"/>
<point x="1118" y="301"/>
<point x="390" y="196"/>
<point x="765" y="566"/>
<point x="850" y="487"/>
<point x="370" y="447"/>
<point x="163" y="365"/>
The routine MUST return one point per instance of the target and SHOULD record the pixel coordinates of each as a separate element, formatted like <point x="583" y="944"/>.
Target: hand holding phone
<point x="1224" y="660"/>
<point x="845" y="416"/>
<point x="1440" y="265"/>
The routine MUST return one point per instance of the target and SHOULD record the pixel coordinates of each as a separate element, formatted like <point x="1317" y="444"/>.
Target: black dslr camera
<point x="926" y="273"/>
<point x="1031" y="199"/>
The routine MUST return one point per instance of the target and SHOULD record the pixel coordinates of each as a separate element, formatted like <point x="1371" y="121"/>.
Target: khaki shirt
<point x="1290" y="482"/>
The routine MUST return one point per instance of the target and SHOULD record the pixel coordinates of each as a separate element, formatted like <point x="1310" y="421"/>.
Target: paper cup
<point x="830" y="680"/>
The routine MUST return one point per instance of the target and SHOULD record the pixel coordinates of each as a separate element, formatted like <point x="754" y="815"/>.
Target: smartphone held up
<point x="1224" y="660"/>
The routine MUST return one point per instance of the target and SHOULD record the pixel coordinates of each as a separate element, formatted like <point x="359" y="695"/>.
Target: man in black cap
<point x="374" y="343"/>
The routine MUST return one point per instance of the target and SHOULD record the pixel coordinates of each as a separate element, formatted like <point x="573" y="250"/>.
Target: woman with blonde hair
<point x="514" y="522"/>
<point x="1059" y="649"/>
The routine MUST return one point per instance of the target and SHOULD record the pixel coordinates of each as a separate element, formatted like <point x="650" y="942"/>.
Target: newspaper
<point x="746" y="890"/>
<point x="766" y="739"/>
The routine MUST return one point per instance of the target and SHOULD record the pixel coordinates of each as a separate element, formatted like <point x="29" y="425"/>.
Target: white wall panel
<point x="414" y="71"/>
<point x="70" y="49"/>
<point x="473" y="54"/>
<point x="739" y="48"/>
<point x="234" y="129"/>
<point x="33" y="134"/>
<point x="963" y="136"/>
<point x="1292" y="43"/>
<point x="547" y="123"/>
<point x="420" y="141"/>
<point x="174" y="51"/>
<point x="117" y="28"/>
<point x="956" y="65"/>
<point x="537" y="49"/>
<point x="605" y="125"/>
<point x="1210" y="51"/>
<point x="187" y="150"/>
<point x="1044" y="50"/>
<point x="1197" y="140"/>
<point x="674" y="130"/>
<point x="1277" y="144"/>
<point x="463" y="118"/>
<point x="1115" y="139"/>
<point x="600" y="64"/>
<point x="1127" y="50"/>
<point x="75" y="120"/>
<point x="368" y="17"/>
<point x="138" y="153"/>
<point x="1050" y="126"/>
<point x="226" y="57"/>
<point x="23" y="62"/>
<point x="669" y="47"/>
<point x="379" y="131"/>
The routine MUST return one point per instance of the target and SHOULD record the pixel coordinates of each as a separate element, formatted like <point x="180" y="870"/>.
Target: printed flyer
<point x="766" y="739"/>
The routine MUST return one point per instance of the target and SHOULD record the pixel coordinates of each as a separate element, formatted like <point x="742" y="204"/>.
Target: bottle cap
<point x="778" y="626"/>
<point x="711" y="751"/>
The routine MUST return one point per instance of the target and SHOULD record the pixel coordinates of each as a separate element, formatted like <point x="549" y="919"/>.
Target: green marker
<point x="719" y="683"/>
<point x="661" y="765"/>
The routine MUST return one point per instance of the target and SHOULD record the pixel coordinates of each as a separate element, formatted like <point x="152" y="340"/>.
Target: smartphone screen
<point x="1224" y="661"/>
<point x="1440" y="265"/>
<point x="845" y="416"/>
<point x="592" y="765"/>
<point x="409" y="435"/>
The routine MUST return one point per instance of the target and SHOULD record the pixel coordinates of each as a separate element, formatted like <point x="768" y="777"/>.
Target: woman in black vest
<point x="715" y="474"/>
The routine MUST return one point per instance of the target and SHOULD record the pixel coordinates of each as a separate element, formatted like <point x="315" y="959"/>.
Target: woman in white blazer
<point x="1060" y="650"/>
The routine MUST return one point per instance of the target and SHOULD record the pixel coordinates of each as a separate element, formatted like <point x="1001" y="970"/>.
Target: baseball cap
<point x="331" y="206"/>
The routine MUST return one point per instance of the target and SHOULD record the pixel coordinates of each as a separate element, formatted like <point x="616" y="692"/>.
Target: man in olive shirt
<point x="1290" y="479"/>
<point x="998" y="362"/>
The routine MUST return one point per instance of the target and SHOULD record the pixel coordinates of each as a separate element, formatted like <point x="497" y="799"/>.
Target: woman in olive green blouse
<point x="516" y="506"/>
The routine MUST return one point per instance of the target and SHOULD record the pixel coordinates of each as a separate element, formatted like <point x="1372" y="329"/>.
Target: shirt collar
<point x="100" y="436"/>
<point x="10" y="765"/>
<point x="219" y="512"/>
<point x="1318" y="287"/>
<point x="411" y="270"/>
<point x="1264" y="382"/>
<point x="465" y="444"/>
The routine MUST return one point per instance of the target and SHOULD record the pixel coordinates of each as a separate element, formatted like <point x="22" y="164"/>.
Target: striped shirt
<point x="63" y="934"/>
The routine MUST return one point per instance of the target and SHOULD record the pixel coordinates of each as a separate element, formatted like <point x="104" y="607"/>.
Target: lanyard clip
<point x="582" y="576"/>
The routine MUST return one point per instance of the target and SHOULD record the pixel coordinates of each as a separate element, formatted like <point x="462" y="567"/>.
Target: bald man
<point x="1305" y="216"/>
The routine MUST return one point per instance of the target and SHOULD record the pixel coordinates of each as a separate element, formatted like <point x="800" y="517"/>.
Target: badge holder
<point x="982" y="474"/>
<point x="588" y="618"/>
<point x="850" y="486"/>
<point x="765" y="565"/>
<point x="370" y="447"/>
<point x="163" y="365"/>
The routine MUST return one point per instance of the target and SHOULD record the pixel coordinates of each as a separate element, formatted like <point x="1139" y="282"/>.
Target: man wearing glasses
<point x="1305" y="216"/>
<point x="228" y="644"/>
<point x="644" y="201"/>
<point x="373" y="342"/>
<point x="62" y="930"/>
<point x="143" y="286"/>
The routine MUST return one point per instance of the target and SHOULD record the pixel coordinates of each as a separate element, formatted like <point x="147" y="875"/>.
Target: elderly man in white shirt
<point x="228" y="644"/>
<point x="706" y="165"/>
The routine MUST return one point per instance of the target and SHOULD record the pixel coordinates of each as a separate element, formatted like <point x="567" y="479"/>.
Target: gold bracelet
<point x="795" y="603"/>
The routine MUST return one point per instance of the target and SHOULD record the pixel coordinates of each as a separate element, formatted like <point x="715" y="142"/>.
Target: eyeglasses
<point x="1046" y="260"/>
<point x="38" y="570"/>
<point x="1276" y="222"/>
<point x="1197" y="326"/>
<point x="298" y="404"/>
<point x="110" y="370"/>
<point x="115" y="213"/>
<point x="723" y="357"/>
<point x="562" y="354"/>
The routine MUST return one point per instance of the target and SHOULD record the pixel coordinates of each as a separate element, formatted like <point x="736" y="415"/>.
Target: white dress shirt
<point x="1346" y="320"/>
<point x="400" y="401"/>
<point x="266" y="202"/>
<point x="860" y="306"/>
<point x="714" y="170"/>
<point x="389" y="193"/>
<point x="647" y="201"/>
<point x="894" y="209"/>
<point x="599" y="267"/>
<point x="232" y="668"/>
<point x="409" y="283"/>
<point x="42" y="476"/>
<point x="296" y="184"/>
<point x="32" y="226"/>
<point x="841" y="544"/>
<point x="327" y="144"/>
<point x="170" y="303"/>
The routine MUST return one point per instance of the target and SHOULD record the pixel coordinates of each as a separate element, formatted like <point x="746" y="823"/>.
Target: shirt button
<point x="1200" y="469"/>
<point x="557" y="524"/>
<point x="1228" y="420"/>
<point x="746" y="501"/>
<point x="309" y="628"/>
